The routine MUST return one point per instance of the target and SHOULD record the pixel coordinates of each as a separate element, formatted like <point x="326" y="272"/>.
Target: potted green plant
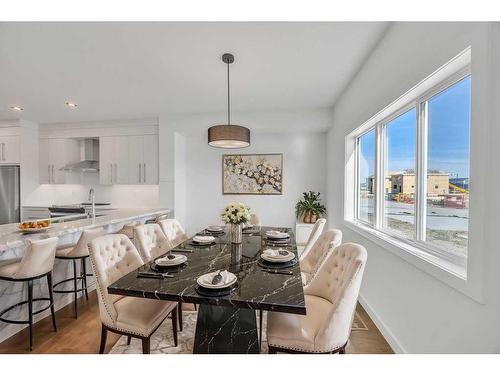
<point x="310" y="207"/>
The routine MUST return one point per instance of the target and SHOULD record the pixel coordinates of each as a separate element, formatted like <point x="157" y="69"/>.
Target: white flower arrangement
<point x="236" y="213"/>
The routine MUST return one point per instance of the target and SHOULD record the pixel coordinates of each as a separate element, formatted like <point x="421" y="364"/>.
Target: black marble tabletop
<point x="256" y="289"/>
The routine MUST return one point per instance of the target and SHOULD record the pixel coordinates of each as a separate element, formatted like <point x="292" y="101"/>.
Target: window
<point x="447" y="218"/>
<point x="412" y="170"/>
<point x="366" y="168"/>
<point x="399" y="166"/>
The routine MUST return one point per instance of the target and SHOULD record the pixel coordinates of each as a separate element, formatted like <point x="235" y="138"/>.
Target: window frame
<point x="420" y="103"/>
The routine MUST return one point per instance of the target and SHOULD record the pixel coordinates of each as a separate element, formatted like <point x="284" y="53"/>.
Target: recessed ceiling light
<point x="16" y="108"/>
<point x="71" y="105"/>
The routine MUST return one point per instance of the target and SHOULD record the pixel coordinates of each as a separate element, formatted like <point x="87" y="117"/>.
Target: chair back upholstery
<point x="81" y="248"/>
<point x="255" y="220"/>
<point x="315" y="233"/>
<point x="151" y="241"/>
<point x="338" y="280"/>
<point x="174" y="231"/>
<point x="38" y="259"/>
<point x="112" y="256"/>
<point x="323" y="246"/>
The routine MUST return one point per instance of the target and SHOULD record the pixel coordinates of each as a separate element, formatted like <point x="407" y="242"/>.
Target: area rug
<point x="162" y="341"/>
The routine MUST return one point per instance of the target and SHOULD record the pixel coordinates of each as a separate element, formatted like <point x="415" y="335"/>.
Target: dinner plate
<point x="215" y="229"/>
<point x="203" y="244"/>
<point x="205" y="280"/>
<point x="275" y="235"/>
<point x="271" y="259"/>
<point x="265" y="264"/>
<point x="164" y="262"/>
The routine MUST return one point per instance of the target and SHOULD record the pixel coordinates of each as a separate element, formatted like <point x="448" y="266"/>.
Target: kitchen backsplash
<point x="118" y="195"/>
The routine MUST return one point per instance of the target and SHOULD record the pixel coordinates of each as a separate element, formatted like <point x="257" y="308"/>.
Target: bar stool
<point x="80" y="251"/>
<point x="36" y="263"/>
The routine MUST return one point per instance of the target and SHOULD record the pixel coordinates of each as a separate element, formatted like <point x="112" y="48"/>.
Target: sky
<point x="448" y="136"/>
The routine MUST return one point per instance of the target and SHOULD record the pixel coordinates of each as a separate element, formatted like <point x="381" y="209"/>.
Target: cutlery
<point x="182" y="251"/>
<point x="153" y="275"/>
<point x="277" y="271"/>
<point x="217" y="278"/>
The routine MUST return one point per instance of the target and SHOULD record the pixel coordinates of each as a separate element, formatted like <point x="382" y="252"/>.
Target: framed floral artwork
<point x="252" y="174"/>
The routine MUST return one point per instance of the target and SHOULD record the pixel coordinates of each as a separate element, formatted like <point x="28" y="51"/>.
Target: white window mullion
<point x="421" y="173"/>
<point x="379" y="174"/>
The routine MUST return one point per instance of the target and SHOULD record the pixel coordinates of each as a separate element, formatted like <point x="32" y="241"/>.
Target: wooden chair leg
<point x="104" y="336"/>
<point x="75" y="286"/>
<point x="179" y="313"/>
<point x="174" y="325"/>
<point x="51" y="296"/>
<point x="146" y="345"/>
<point x="30" y="311"/>
<point x="129" y="339"/>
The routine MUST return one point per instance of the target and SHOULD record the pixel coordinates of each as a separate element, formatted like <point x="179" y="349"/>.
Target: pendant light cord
<point x="228" y="99"/>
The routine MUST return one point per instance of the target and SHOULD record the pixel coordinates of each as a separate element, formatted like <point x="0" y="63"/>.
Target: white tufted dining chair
<point x="151" y="241"/>
<point x="330" y="302"/>
<point x="174" y="231"/>
<point x="323" y="246"/>
<point x="113" y="256"/>
<point x="315" y="233"/>
<point x="255" y="220"/>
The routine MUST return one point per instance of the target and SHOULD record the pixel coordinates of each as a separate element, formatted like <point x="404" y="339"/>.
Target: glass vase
<point x="236" y="233"/>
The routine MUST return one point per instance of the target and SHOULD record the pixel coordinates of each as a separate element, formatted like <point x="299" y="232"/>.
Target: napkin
<point x="226" y="277"/>
<point x="165" y="261"/>
<point x="203" y="238"/>
<point x="274" y="253"/>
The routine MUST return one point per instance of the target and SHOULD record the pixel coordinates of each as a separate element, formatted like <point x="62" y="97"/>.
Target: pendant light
<point x="227" y="135"/>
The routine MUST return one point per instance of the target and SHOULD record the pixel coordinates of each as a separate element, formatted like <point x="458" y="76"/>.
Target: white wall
<point x="417" y="312"/>
<point x="299" y="135"/>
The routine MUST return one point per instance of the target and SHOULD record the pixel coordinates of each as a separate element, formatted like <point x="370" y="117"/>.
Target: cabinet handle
<point x="111" y="172"/>
<point x="48" y="173"/>
<point x="144" y="173"/>
<point x="116" y="173"/>
<point x="3" y="151"/>
<point x="140" y="172"/>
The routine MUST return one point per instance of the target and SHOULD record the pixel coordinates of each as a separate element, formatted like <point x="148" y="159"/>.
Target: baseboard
<point x="11" y="329"/>
<point x="386" y="332"/>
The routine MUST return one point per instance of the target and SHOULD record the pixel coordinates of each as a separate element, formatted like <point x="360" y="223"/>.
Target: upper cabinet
<point x="143" y="159"/>
<point x="129" y="159"/>
<point x="55" y="153"/>
<point x="9" y="149"/>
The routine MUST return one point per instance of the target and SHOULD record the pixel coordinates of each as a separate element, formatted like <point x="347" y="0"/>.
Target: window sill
<point x="443" y="270"/>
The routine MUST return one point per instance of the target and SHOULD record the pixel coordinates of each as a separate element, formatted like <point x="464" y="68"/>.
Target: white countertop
<point x="11" y="237"/>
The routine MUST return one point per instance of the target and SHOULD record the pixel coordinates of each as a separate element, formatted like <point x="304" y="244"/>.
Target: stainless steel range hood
<point x="89" y="162"/>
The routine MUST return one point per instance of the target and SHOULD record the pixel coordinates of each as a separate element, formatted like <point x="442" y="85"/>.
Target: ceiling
<point x="142" y="70"/>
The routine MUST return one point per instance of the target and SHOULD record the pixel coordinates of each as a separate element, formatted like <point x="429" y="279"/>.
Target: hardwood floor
<point x="83" y="335"/>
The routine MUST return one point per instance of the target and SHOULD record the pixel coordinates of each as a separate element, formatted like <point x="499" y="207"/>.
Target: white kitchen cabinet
<point x="114" y="160"/>
<point x="143" y="159"/>
<point x="9" y="149"/>
<point x="55" y="153"/>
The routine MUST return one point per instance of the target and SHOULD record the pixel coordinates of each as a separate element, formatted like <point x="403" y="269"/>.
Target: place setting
<point x="169" y="263"/>
<point x="203" y="241"/>
<point x="277" y="238"/>
<point x="214" y="230"/>
<point x="217" y="284"/>
<point x="275" y="260"/>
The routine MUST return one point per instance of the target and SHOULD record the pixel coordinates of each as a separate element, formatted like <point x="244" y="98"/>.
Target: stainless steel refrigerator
<point x="10" y="202"/>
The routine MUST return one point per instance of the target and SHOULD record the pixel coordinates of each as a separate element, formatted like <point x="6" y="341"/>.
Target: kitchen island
<point x="13" y="244"/>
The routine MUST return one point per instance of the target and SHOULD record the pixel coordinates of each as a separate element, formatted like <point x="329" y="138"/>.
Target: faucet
<point x="92" y="200"/>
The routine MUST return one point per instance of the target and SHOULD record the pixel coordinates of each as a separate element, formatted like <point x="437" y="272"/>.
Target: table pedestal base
<point x="225" y="330"/>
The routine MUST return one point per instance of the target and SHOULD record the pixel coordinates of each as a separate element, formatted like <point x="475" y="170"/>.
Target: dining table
<point x="226" y="323"/>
